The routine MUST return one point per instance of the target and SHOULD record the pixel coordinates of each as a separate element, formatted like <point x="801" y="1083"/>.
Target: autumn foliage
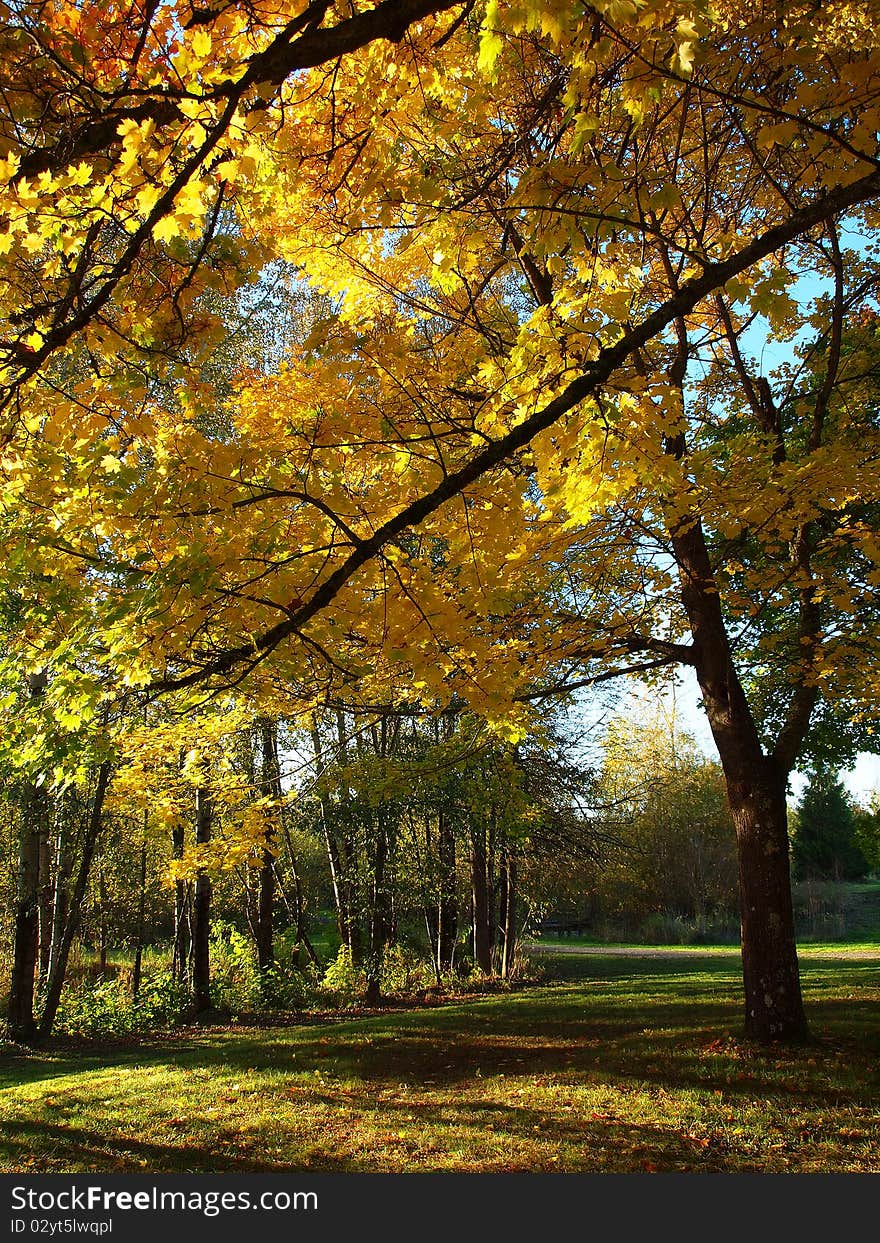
<point x="446" y="354"/>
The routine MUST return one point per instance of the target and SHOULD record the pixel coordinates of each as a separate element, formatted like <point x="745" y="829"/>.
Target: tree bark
<point x="58" y="970"/>
<point x="265" y="926"/>
<point x="774" y="1006"/>
<point x="756" y="793"/>
<point x="61" y="893"/>
<point x="378" y="911"/>
<point x="201" y="923"/>
<point x="271" y="789"/>
<point x="507" y="919"/>
<point x="46" y="903"/>
<point x="21" y="1025"/>
<point x="447" y="906"/>
<point x="482" y="915"/>
<point x="181" y="953"/>
<point x="139" y="935"/>
<point x="32" y="830"/>
<point x="337" y="856"/>
<point x="102" y="923"/>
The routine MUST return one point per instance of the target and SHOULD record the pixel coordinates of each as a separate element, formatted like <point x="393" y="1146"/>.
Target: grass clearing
<point x="624" y="1064"/>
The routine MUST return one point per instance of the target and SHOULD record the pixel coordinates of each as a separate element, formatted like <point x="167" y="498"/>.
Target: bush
<point x="404" y="970"/>
<point x="107" y="1007"/>
<point x="342" y="980"/>
<point x="237" y="983"/>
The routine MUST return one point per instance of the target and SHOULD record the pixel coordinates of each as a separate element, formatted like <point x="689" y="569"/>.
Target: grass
<point x="623" y="1064"/>
<point x="806" y="949"/>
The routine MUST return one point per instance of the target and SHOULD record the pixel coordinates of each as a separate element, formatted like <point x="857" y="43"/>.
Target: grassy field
<point x="624" y="1064"/>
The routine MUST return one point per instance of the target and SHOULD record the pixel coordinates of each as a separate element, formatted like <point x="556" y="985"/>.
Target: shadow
<point x="645" y="1031"/>
<point x="90" y="1150"/>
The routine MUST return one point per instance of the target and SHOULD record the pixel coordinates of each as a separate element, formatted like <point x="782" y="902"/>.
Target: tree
<point x="543" y="243"/>
<point x="825" y="845"/>
<point x="674" y="848"/>
<point x="868" y="832"/>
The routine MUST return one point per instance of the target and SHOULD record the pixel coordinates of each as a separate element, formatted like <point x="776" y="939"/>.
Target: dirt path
<point x="691" y="951"/>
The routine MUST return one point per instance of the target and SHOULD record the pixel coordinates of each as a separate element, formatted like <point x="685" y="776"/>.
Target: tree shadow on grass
<point x="76" y="1147"/>
<point x="646" y="1030"/>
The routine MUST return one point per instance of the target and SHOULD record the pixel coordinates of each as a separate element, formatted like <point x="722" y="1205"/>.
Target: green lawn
<point x="623" y="1065"/>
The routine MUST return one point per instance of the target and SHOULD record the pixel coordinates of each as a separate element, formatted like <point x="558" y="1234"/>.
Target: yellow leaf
<point x="165" y="229"/>
<point x="201" y="44"/>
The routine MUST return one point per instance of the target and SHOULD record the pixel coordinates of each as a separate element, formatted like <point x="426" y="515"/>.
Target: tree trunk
<point x="139" y="934"/>
<point x="507" y="919"/>
<point x="756" y="793"/>
<point x="378" y="912"/>
<point x="341" y="848"/>
<point x="46" y="894"/>
<point x="271" y="788"/>
<point x="32" y="829"/>
<point x="774" y="1007"/>
<point x="447" y="909"/>
<point x="102" y="923"/>
<point x="201" y="922"/>
<point x="20" y="1015"/>
<point x="58" y="970"/>
<point x="482" y="915"/>
<point x="61" y="892"/>
<point x="181" y="953"/>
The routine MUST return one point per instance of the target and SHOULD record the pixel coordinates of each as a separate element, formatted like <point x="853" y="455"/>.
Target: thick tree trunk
<point x="774" y="1007"/>
<point x="58" y="970"/>
<point x="201" y="923"/>
<point x="756" y="792"/>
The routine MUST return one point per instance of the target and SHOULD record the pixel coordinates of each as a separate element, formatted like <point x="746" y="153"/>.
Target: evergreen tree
<point x="825" y="846"/>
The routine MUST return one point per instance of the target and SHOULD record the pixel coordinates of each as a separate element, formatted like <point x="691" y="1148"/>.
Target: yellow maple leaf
<point x="166" y="228"/>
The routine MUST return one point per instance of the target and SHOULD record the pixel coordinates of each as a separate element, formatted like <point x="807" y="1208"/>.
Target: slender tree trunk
<point x="507" y="920"/>
<point x="348" y="856"/>
<point x="482" y="915"/>
<point x="181" y="953"/>
<point x="139" y="933"/>
<point x="265" y="929"/>
<point x="344" y="919"/>
<point x="46" y="895"/>
<point x="447" y="907"/>
<point x="378" y="912"/>
<point x="102" y="922"/>
<point x="295" y="911"/>
<point x="341" y="850"/>
<point x="57" y="974"/>
<point x="201" y="912"/>
<point x="32" y="829"/>
<point x="61" y="893"/>
<point x="21" y="1024"/>
<point x="430" y="907"/>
